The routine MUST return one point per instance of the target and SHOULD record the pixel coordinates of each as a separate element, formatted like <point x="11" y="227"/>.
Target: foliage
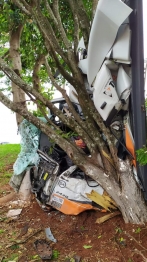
<point x="15" y="246"/>
<point x="138" y="230"/>
<point x="142" y="156"/>
<point x="10" y="17"/>
<point x="13" y="257"/>
<point x="56" y="254"/>
<point x="142" y="152"/>
<point x="118" y="230"/>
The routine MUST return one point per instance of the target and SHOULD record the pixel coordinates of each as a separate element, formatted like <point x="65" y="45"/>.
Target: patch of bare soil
<point x="6" y="189"/>
<point x="111" y="241"/>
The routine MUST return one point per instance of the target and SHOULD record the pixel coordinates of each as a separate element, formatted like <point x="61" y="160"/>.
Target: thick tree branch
<point x="15" y="36"/>
<point x="36" y="80"/>
<point x="87" y="106"/>
<point x="48" y="8"/>
<point x="17" y="107"/>
<point x="85" y="102"/>
<point x="70" y="122"/>
<point x="5" y="54"/>
<point x="68" y="55"/>
<point x="63" y="72"/>
<point x="76" y="25"/>
<point x="24" y="7"/>
<point x="44" y="113"/>
<point x="84" y="20"/>
<point x="60" y="26"/>
<point x="78" y="156"/>
<point x="76" y="33"/>
<point x="51" y="40"/>
<point x="82" y="123"/>
<point x="48" y="32"/>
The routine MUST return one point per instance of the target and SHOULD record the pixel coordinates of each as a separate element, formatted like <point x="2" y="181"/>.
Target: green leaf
<point x="72" y="260"/>
<point x="35" y="256"/>
<point x="138" y="230"/>
<point x="56" y="254"/>
<point x="118" y="230"/>
<point x="3" y="219"/>
<point x="121" y="239"/>
<point x="99" y="236"/>
<point x="87" y="247"/>
<point x="142" y="155"/>
<point x="14" y="247"/>
<point x="82" y="228"/>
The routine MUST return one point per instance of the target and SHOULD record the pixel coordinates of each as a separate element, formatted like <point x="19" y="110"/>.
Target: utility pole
<point x="138" y="92"/>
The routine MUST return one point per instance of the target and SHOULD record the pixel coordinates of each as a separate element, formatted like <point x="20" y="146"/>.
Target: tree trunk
<point x="18" y="94"/>
<point x="126" y="193"/>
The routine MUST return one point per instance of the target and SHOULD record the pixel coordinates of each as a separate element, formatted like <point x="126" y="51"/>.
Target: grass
<point x="8" y="155"/>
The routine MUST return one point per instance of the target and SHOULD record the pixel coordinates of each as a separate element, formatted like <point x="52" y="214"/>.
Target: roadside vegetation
<point x="8" y="155"/>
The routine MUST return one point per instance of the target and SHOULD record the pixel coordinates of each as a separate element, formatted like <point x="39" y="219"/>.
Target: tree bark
<point x="18" y="94"/>
<point x="36" y="79"/>
<point x="126" y="194"/>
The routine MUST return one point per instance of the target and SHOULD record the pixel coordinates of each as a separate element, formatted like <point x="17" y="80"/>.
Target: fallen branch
<point x="106" y="217"/>
<point x="140" y="253"/>
<point x="135" y="241"/>
<point x="24" y="241"/>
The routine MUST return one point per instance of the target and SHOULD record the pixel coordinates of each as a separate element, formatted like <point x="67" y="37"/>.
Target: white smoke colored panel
<point x="104" y="95"/>
<point x="110" y="14"/>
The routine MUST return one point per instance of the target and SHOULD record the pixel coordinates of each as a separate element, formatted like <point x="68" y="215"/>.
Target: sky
<point x="8" y="127"/>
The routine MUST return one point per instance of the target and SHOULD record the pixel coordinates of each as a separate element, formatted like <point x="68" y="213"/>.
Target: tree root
<point x="7" y="198"/>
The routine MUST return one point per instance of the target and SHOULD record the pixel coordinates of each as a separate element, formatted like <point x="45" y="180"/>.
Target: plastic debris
<point x="14" y="212"/>
<point x="29" y="145"/>
<point x="49" y="235"/>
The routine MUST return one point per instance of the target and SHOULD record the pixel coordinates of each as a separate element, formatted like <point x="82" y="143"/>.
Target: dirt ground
<point x="79" y="235"/>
